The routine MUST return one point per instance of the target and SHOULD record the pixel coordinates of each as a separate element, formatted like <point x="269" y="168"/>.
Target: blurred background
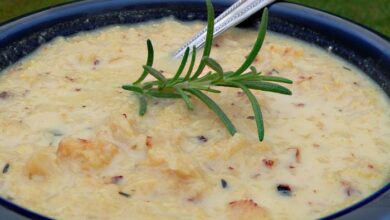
<point x="371" y="13"/>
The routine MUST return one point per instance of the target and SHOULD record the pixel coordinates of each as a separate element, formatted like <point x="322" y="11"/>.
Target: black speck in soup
<point x="202" y="138"/>
<point x="251" y="117"/>
<point x="6" y="168"/>
<point x="224" y="184"/>
<point x="124" y="194"/>
<point x="346" y="68"/>
<point x="4" y="95"/>
<point x="284" y="189"/>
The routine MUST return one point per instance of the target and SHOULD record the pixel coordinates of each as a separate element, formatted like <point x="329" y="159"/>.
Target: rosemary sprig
<point x="195" y="84"/>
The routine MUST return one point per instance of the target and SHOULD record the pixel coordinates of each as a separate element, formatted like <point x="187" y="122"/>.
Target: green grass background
<point x="371" y="13"/>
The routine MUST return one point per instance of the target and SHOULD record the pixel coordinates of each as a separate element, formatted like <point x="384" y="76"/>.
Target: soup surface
<point x="72" y="145"/>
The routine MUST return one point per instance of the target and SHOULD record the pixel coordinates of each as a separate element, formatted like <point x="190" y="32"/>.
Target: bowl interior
<point x="357" y="45"/>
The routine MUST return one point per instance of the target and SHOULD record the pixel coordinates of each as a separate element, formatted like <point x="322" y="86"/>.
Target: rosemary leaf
<point x="158" y="94"/>
<point x="142" y="104"/>
<point x="149" y="85"/>
<point x="275" y="79"/>
<point x="181" y="67"/>
<point x="132" y="88"/>
<point x="207" y="77"/>
<point x="259" y="42"/>
<point x="247" y="77"/>
<point x="208" y="89"/>
<point x="215" y="66"/>
<point x="149" y="61"/>
<point x="256" y="77"/>
<point x="215" y="108"/>
<point x="192" y="64"/>
<point x="186" y="99"/>
<point x="256" y="110"/>
<point x="209" y="38"/>
<point x="254" y="70"/>
<point x="160" y="77"/>
<point x="267" y="86"/>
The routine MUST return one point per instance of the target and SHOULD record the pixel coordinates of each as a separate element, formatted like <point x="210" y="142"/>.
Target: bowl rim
<point x="22" y="24"/>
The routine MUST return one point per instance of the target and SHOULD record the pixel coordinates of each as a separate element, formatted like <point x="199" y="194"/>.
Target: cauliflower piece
<point x="121" y="128"/>
<point x="233" y="145"/>
<point x="246" y="210"/>
<point x="94" y="154"/>
<point x="173" y="161"/>
<point x="41" y="164"/>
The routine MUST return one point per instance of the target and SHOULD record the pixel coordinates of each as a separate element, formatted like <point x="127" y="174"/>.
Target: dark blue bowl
<point x="360" y="46"/>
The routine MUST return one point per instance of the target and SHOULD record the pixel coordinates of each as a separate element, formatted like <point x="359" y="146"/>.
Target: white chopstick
<point x="235" y="14"/>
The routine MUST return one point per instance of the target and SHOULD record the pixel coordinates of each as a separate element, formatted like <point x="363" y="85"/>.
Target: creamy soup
<point x="72" y="145"/>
